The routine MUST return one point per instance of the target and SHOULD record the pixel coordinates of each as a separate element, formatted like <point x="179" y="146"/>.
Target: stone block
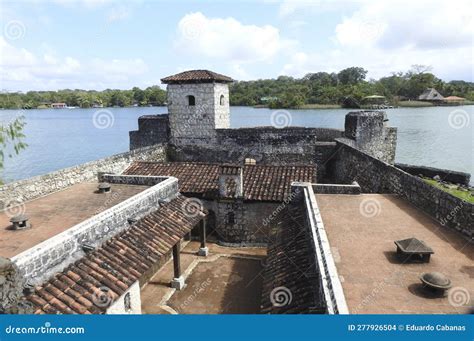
<point x="178" y="283"/>
<point x="203" y="251"/>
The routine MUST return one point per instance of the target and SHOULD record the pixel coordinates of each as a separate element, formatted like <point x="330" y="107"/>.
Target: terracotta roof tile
<point x="196" y="76"/>
<point x="260" y="182"/>
<point x="116" y="265"/>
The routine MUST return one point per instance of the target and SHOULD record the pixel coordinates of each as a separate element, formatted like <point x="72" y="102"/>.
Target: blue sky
<point x="98" y="44"/>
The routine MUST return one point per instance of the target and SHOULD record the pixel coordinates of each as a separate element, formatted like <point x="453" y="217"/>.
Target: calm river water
<point x="439" y="137"/>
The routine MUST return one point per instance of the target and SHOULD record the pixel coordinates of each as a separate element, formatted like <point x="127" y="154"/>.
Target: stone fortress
<point x="197" y="128"/>
<point x="314" y="211"/>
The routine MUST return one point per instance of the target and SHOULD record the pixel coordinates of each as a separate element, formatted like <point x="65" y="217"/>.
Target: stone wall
<point x="252" y="221"/>
<point x="266" y="145"/>
<point x="152" y="130"/>
<point x="376" y="176"/>
<point x="11" y="289"/>
<point x="270" y="145"/>
<point x="141" y="180"/>
<point x="20" y="191"/>
<point x="221" y="106"/>
<point x="38" y="263"/>
<point x="200" y="120"/>
<point x="332" y="292"/>
<point x="445" y="174"/>
<point x="231" y="230"/>
<point x="354" y="188"/>
<point x="250" y="227"/>
<point x="369" y="131"/>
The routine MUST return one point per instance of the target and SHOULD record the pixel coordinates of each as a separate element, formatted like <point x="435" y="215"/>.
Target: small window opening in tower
<point x="222" y="99"/>
<point x="230" y="218"/>
<point x="191" y="100"/>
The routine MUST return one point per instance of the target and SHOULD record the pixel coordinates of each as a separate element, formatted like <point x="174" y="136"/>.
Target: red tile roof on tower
<point x="196" y="76"/>
<point x="117" y="264"/>
<point x="260" y="182"/>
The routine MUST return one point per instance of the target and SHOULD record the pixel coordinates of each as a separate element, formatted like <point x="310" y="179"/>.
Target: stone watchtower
<point x="198" y="103"/>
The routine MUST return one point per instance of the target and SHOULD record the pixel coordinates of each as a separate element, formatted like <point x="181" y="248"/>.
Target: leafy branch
<point x="12" y="134"/>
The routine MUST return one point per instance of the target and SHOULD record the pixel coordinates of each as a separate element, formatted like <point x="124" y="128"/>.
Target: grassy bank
<point x="303" y="107"/>
<point x="414" y="104"/>
<point x="464" y="195"/>
<point x="421" y="104"/>
<point x="320" y="106"/>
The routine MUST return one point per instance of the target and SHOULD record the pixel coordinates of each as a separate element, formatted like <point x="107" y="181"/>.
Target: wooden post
<point x="203" y="250"/>
<point x="177" y="260"/>
<point x="203" y="233"/>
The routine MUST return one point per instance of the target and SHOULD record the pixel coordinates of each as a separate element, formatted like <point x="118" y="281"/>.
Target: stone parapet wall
<point x="24" y="190"/>
<point x="53" y="255"/>
<point x="370" y="133"/>
<point x="354" y="188"/>
<point x="376" y="176"/>
<point x="445" y="174"/>
<point x="152" y="130"/>
<point x="141" y="180"/>
<point x="266" y="145"/>
<point x="278" y="135"/>
<point x="332" y="292"/>
<point x="192" y="139"/>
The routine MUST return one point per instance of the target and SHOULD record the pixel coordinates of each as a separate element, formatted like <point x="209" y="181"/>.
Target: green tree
<point x="352" y="75"/>
<point x="11" y="136"/>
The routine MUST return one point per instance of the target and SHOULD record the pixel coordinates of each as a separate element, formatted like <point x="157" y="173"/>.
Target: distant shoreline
<point x="403" y="104"/>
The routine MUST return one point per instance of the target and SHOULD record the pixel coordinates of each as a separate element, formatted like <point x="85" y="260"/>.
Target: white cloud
<point x="118" y="69"/>
<point x="386" y="36"/>
<point x="19" y="67"/>
<point x="228" y="39"/>
<point x="118" y="13"/>
<point x="420" y="24"/>
<point x="238" y="72"/>
<point x="455" y="63"/>
<point x="84" y="3"/>
<point x="14" y="57"/>
<point x="293" y="7"/>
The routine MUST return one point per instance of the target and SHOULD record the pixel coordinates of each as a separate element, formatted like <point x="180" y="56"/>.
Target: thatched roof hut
<point x="431" y="94"/>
